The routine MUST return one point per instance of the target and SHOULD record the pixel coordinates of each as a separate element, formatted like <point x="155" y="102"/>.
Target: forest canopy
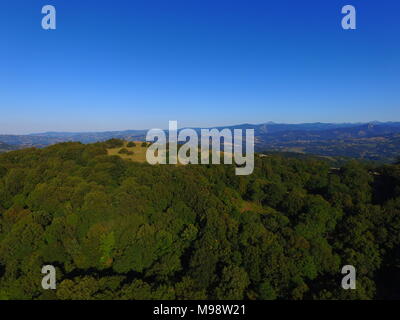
<point x="119" y="229"/>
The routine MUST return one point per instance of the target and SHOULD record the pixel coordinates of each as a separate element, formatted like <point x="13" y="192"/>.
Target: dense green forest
<point x="117" y="229"/>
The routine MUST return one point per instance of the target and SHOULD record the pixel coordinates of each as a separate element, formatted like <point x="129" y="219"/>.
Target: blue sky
<point x="126" y="64"/>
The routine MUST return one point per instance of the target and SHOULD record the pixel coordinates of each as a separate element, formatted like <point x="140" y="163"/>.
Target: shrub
<point x="114" y="143"/>
<point x="123" y="151"/>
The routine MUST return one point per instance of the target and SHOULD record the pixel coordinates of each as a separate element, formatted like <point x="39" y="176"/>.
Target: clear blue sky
<point x="127" y="64"/>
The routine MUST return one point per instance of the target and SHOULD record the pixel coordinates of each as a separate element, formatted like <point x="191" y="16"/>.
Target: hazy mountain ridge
<point x="5" y="147"/>
<point x="372" y="141"/>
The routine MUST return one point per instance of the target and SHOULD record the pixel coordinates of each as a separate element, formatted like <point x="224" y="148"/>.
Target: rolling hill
<point x="377" y="141"/>
<point x="6" y="147"/>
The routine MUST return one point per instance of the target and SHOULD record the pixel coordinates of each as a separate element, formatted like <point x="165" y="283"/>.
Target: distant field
<point x="139" y="152"/>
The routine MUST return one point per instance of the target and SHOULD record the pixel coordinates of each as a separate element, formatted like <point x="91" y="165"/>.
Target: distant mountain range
<point x="6" y="147"/>
<point x="370" y="141"/>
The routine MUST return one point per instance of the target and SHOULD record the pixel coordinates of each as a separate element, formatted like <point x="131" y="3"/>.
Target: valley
<point x="374" y="141"/>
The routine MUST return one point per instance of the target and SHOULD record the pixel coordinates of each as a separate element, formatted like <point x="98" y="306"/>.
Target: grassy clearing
<point x="139" y="152"/>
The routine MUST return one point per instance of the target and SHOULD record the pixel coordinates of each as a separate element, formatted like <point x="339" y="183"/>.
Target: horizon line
<point x="200" y="127"/>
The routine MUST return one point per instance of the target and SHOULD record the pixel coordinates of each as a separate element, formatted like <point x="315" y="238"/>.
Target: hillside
<point x="135" y="152"/>
<point x="121" y="229"/>
<point x="374" y="141"/>
<point x="6" y="147"/>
